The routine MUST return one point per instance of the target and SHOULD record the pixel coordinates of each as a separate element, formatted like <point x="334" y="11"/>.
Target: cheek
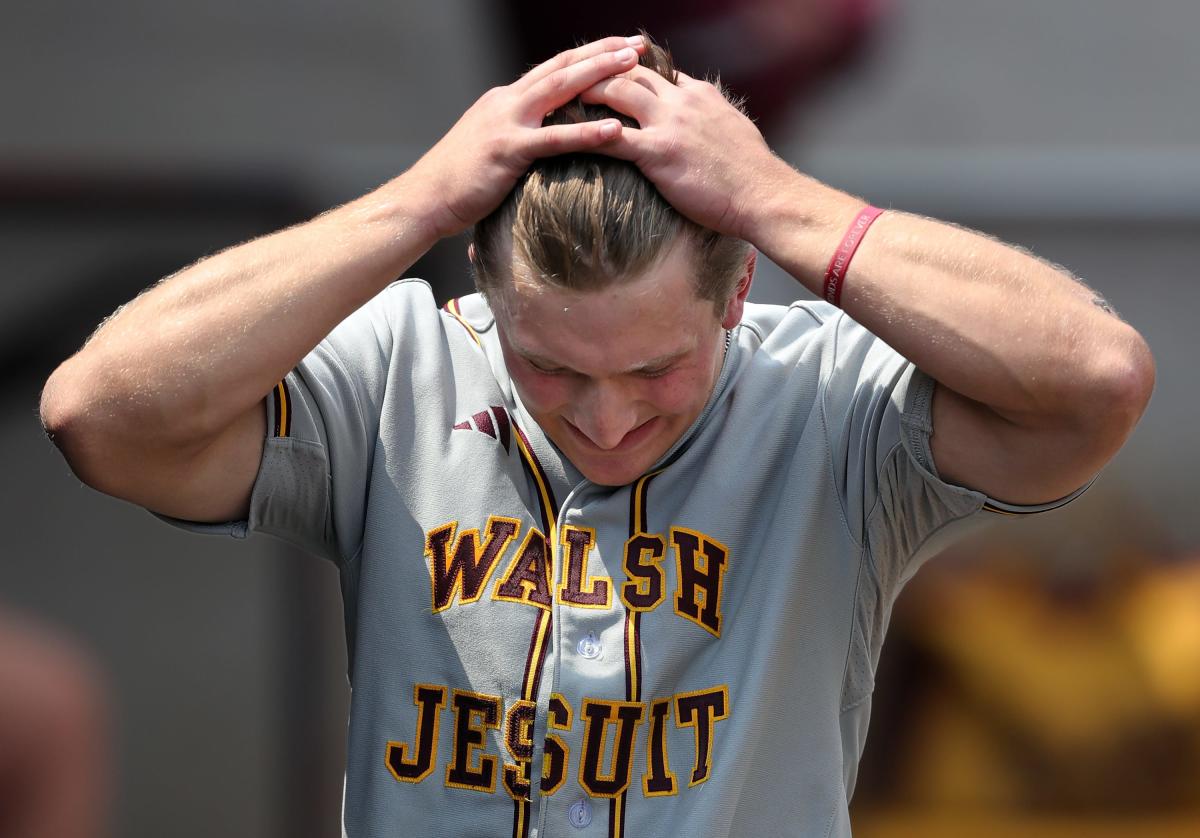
<point x="542" y="393"/>
<point x="680" y="393"/>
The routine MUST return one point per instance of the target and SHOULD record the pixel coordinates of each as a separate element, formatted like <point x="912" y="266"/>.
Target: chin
<point x="621" y="471"/>
<point x="609" y="477"/>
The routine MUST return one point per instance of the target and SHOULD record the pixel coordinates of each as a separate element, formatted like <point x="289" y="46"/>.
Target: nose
<point x="605" y="414"/>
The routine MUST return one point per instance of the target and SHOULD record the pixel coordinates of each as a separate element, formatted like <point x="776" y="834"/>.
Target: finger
<point x="625" y="96"/>
<point x="627" y="144"/>
<point x="563" y="85"/>
<point x="564" y="139"/>
<point x="650" y="80"/>
<point x="573" y="56"/>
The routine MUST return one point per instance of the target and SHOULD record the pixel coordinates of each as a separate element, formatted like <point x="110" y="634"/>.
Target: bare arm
<point x="1039" y="387"/>
<point x="164" y="405"/>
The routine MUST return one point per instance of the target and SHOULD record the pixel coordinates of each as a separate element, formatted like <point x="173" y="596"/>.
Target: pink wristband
<point x="836" y="272"/>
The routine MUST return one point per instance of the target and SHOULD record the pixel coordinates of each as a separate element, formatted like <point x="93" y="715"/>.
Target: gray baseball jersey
<point x="533" y="655"/>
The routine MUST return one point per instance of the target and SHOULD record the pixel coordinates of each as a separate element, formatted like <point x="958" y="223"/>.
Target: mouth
<point x="631" y="440"/>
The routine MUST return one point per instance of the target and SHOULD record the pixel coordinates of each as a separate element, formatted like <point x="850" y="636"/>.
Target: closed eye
<point x="545" y="370"/>
<point x="657" y="372"/>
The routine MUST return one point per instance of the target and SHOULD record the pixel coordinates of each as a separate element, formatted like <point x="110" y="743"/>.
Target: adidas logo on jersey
<point x="494" y="422"/>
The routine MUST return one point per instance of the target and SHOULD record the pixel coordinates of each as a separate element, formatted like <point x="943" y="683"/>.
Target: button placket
<point x="579" y="629"/>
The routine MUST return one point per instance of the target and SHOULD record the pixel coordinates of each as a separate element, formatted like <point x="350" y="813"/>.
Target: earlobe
<point x="733" y="312"/>
<point x="737" y="303"/>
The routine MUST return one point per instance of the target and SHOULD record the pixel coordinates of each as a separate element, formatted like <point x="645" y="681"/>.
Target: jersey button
<point x="579" y="813"/>
<point x="589" y="647"/>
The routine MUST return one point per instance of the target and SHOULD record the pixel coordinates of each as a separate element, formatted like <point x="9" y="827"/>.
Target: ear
<point x="737" y="303"/>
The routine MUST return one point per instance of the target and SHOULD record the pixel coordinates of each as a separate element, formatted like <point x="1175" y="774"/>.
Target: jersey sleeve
<point x="877" y="410"/>
<point x="322" y="422"/>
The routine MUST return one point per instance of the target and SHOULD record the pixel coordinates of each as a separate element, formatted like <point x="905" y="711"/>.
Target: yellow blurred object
<point x="1162" y="616"/>
<point x="1049" y="692"/>
<point x="990" y="825"/>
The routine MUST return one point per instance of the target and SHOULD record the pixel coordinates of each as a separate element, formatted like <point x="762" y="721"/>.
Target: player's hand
<point x="707" y="158"/>
<point x="474" y="167"/>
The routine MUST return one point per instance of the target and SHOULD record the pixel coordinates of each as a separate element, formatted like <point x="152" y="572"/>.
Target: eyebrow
<point x="652" y="364"/>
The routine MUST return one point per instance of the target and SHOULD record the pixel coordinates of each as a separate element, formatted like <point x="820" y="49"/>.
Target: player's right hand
<point x="474" y="167"/>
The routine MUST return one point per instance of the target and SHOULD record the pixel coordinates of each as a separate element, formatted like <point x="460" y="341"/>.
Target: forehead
<point x="623" y="325"/>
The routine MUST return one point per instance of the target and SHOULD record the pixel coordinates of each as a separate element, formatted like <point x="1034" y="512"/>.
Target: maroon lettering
<point x="464" y="569"/>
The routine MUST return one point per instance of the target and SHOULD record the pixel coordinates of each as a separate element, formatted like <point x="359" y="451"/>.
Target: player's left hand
<point x="705" y="156"/>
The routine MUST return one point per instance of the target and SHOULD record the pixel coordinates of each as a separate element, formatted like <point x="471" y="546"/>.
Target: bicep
<point x="210" y="484"/>
<point x="977" y="448"/>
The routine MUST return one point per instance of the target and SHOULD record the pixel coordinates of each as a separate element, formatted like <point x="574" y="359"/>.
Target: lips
<point x="628" y="442"/>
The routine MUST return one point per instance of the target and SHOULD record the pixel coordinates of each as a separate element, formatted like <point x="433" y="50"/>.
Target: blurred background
<point x="1041" y="679"/>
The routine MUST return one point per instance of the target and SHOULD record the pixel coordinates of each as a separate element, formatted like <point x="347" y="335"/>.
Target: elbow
<point x="54" y="410"/>
<point x="114" y="435"/>
<point x="90" y="431"/>
<point x="1124" y="384"/>
<point x="64" y="417"/>
<point x="1136" y="377"/>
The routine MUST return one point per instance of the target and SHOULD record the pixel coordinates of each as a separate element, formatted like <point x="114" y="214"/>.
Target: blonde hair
<point x="586" y="221"/>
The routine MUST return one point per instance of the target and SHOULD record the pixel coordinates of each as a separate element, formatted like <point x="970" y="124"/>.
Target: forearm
<point x="986" y="320"/>
<point x="187" y="358"/>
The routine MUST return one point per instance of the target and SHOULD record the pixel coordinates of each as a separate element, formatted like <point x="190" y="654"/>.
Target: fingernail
<point x="626" y="54"/>
<point x="634" y="40"/>
<point x="609" y="129"/>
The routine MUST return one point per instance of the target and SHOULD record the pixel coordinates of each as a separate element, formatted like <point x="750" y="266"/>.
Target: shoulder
<point x="802" y="316"/>
<point x="473" y="309"/>
<point x="783" y="355"/>
<point x="400" y="302"/>
<point x="813" y="333"/>
<point x="406" y="314"/>
<point x="404" y="298"/>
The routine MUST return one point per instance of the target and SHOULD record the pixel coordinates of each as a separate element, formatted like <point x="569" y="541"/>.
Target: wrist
<point x="403" y="212"/>
<point x="839" y="263"/>
<point x="375" y="238"/>
<point x="801" y="226"/>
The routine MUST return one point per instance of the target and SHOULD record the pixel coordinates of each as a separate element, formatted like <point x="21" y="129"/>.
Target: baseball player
<point x="617" y="547"/>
